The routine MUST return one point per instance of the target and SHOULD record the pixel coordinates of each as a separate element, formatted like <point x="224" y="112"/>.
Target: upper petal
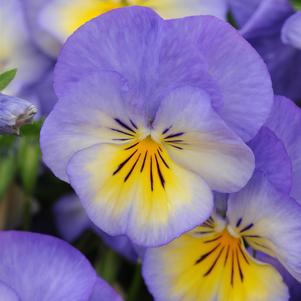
<point x="159" y="55"/>
<point x="269" y="221"/>
<point x="122" y="40"/>
<point x="198" y="139"/>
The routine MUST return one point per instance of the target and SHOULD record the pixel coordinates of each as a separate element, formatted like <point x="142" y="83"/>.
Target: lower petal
<point x="135" y="189"/>
<point x="210" y="267"/>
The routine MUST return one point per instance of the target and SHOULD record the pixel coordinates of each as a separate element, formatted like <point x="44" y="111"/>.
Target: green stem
<point x="135" y="285"/>
<point x="27" y="215"/>
<point x="108" y="266"/>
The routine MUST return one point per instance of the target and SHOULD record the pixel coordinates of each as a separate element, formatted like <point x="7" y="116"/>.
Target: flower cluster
<point x="178" y="136"/>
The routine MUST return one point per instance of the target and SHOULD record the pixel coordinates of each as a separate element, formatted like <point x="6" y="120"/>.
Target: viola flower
<point x="144" y="134"/>
<point x="53" y="21"/>
<point x="17" y="49"/>
<point x="14" y="112"/>
<point x="214" y="261"/>
<point x="72" y="220"/>
<point x="36" y="267"/>
<point x="273" y="29"/>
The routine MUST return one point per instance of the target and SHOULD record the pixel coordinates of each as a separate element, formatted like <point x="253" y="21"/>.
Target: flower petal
<point x="269" y="221"/>
<point x="84" y="117"/>
<point x="272" y="159"/>
<point x="44" y="268"/>
<point x="135" y="30"/>
<point x="285" y="122"/>
<point x="209" y="267"/>
<point x="70" y="217"/>
<point x="263" y="15"/>
<point x="291" y="31"/>
<point x="201" y="142"/>
<point x="7" y="293"/>
<point x="161" y="55"/>
<point x="263" y="32"/>
<point x="138" y="192"/>
<point x="243" y="10"/>
<point x="220" y="45"/>
<point x="104" y="292"/>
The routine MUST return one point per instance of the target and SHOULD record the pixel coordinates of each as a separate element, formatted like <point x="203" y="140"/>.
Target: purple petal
<point x="119" y="40"/>
<point x="44" y="268"/>
<point x="7" y="293"/>
<point x="70" y="217"/>
<point x="103" y="292"/>
<point x="272" y="159"/>
<point x="291" y="31"/>
<point x="263" y="31"/>
<point x="243" y="10"/>
<point x="159" y="55"/>
<point x="285" y="122"/>
<point x="216" y="41"/>
<point x="266" y="18"/>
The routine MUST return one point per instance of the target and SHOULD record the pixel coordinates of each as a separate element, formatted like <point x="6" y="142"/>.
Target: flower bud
<point x="14" y="112"/>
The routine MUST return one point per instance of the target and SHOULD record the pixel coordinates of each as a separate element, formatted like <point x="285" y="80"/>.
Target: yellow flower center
<point x="147" y="157"/>
<point x="225" y="249"/>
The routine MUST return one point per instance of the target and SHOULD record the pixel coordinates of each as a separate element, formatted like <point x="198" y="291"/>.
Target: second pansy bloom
<point x="152" y="117"/>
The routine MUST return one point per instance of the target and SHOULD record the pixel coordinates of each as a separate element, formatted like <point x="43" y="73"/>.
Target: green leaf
<point x="6" y="143"/>
<point x="7" y="172"/>
<point x="6" y="77"/>
<point x="231" y="20"/>
<point x="29" y="155"/>
<point x="33" y="129"/>
<point x="108" y="265"/>
<point x="296" y="4"/>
